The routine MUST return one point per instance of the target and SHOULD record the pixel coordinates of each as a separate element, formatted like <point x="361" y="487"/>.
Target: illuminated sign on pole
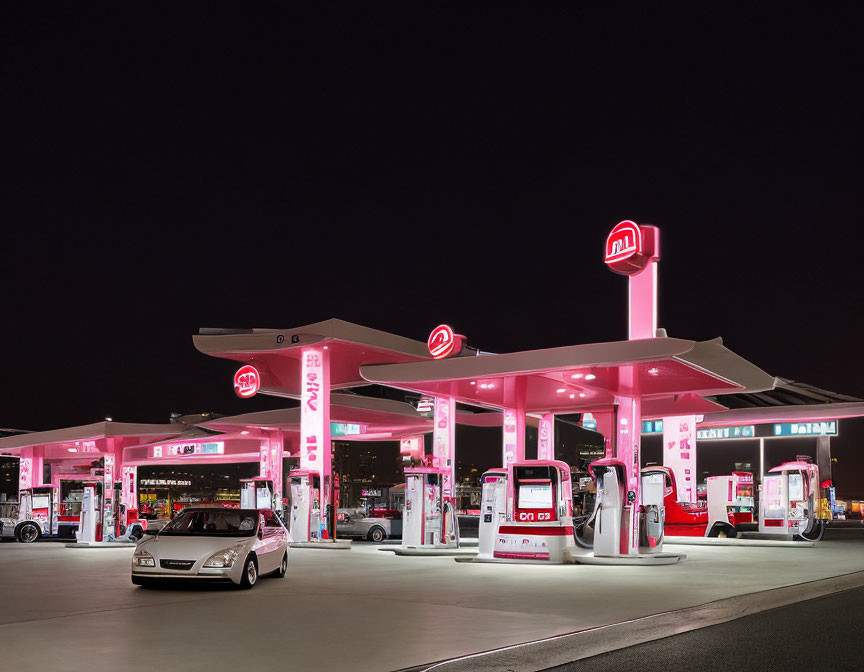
<point x="826" y="428"/>
<point x="442" y="342"/>
<point x="720" y="433"/>
<point x="247" y="382"/>
<point x="623" y="243"/>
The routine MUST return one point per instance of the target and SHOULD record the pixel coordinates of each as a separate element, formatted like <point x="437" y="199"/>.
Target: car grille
<point x="176" y="564"/>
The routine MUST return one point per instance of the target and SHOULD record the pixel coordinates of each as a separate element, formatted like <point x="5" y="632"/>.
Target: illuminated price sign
<point x="179" y="449"/>
<point x="345" y="429"/>
<point x="826" y="428"/>
<point x="719" y="433"/>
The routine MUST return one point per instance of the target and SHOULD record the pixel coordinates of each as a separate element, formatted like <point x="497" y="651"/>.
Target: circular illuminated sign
<point x="247" y="381"/>
<point x="624" y="252"/>
<point x="441" y="342"/>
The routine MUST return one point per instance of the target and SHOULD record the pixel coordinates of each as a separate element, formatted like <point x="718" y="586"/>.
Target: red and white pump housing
<point x="539" y="521"/>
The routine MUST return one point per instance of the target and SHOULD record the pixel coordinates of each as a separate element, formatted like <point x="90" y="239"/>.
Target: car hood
<point x="191" y="547"/>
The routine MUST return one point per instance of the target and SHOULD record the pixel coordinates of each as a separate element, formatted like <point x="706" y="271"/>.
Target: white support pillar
<point x="546" y="437"/>
<point x="629" y="419"/>
<point x="513" y="433"/>
<point x="30" y="467"/>
<point x="444" y="444"/>
<point x="109" y="476"/>
<point x="315" y="449"/>
<point x="679" y="454"/>
<point x="761" y="459"/>
<point x="129" y="495"/>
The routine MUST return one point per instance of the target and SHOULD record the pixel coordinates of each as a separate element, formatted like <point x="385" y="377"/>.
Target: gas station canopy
<point x="69" y="441"/>
<point x="276" y="353"/>
<point x="382" y="419"/>
<point x="670" y="374"/>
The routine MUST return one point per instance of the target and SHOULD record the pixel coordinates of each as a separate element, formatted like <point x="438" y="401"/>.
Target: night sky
<point x="400" y="165"/>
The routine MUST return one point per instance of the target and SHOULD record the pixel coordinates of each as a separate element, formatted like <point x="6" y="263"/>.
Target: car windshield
<point x="213" y="523"/>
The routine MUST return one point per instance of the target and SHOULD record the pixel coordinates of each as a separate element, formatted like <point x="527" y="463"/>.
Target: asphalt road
<point x="820" y="634"/>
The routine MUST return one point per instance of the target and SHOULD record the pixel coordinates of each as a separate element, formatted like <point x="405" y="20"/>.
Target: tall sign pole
<point x="633" y="250"/>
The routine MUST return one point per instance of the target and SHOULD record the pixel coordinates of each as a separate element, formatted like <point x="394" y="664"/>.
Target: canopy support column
<point x="679" y="454"/>
<point x="315" y="449"/>
<point x="514" y="421"/>
<point x="606" y="426"/>
<point x="270" y="455"/>
<point x="112" y="466"/>
<point x="823" y="461"/>
<point x="30" y="467"/>
<point x="546" y="437"/>
<point x="629" y="419"/>
<point x="444" y="444"/>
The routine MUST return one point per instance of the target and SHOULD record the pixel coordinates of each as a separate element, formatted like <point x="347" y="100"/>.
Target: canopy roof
<point x="98" y="430"/>
<point x="383" y="418"/>
<point x="787" y="401"/>
<point x="768" y="414"/>
<point x="671" y="375"/>
<point x="276" y="352"/>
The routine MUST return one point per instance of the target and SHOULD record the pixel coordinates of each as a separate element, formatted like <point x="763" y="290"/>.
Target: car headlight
<point x="224" y="558"/>
<point x="143" y="559"/>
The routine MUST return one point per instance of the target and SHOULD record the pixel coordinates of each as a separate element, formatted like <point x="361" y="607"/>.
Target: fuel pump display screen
<point x="535" y="496"/>
<point x="796" y="487"/>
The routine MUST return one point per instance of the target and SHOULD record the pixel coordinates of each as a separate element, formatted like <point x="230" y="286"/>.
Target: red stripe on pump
<point x="536" y="530"/>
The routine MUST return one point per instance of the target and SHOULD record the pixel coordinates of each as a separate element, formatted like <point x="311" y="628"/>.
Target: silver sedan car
<point x="213" y="544"/>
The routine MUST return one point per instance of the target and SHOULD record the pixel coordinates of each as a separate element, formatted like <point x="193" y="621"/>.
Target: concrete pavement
<point x="819" y="634"/>
<point x="360" y="609"/>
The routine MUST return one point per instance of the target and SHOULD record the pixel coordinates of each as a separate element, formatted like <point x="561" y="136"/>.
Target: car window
<point x="270" y="519"/>
<point x="213" y="522"/>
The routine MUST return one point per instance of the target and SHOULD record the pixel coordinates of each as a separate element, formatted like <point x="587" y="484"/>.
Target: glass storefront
<point x="164" y="490"/>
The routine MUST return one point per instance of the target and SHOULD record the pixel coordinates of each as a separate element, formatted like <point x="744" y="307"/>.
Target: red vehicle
<point x="684" y="519"/>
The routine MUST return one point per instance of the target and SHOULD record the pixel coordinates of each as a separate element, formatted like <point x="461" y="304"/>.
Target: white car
<point x="213" y="544"/>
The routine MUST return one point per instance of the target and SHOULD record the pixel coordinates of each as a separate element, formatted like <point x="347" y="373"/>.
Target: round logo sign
<point x="626" y="251"/>
<point x="247" y="381"/>
<point x="441" y="342"/>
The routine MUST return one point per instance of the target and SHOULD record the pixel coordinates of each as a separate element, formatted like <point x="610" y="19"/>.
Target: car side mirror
<point x="260" y="533"/>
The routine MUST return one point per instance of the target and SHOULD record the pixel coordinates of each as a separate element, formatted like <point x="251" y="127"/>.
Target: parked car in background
<point x="376" y="525"/>
<point x="213" y="544"/>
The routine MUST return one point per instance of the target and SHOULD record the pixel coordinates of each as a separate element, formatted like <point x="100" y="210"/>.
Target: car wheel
<point x="250" y="573"/>
<point x="27" y="533"/>
<point x="283" y="567"/>
<point x="376" y="534"/>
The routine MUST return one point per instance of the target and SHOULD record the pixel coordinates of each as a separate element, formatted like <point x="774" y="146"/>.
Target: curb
<point x="567" y="648"/>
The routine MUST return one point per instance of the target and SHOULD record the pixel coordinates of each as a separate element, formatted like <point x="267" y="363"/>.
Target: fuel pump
<point x="610" y="536"/>
<point x="730" y="503"/>
<point x="305" y="488"/>
<point x="652" y="513"/>
<point x="539" y="505"/>
<point x="493" y="510"/>
<point x="89" y="523"/>
<point x="788" y="502"/>
<point x="609" y="519"/>
<point x="256" y="493"/>
<point x="428" y="520"/>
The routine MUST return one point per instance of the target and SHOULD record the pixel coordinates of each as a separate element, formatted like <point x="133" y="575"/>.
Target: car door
<point x="273" y="542"/>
